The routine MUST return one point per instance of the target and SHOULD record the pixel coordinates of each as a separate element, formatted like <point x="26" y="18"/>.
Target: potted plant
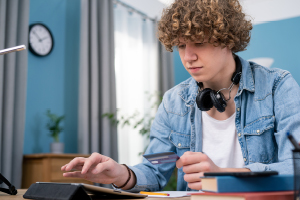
<point x="55" y="129"/>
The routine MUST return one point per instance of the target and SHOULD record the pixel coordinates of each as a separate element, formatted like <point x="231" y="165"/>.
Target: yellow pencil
<point x="154" y="193"/>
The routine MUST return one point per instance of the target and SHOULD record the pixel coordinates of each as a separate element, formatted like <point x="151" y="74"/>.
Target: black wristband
<point x="127" y="179"/>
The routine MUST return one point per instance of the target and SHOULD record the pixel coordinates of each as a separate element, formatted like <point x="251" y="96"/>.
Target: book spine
<point x="255" y="184"/>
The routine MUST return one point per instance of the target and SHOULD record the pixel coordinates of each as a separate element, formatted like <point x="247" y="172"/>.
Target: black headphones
<point x="207" y="98"/>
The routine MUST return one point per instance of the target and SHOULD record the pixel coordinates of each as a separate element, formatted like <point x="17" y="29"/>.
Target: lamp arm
<point x="12" y="49"/>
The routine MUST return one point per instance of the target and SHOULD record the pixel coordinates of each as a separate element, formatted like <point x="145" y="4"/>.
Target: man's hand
<point x="194" y="164"/>
<point x="99" y="169"/>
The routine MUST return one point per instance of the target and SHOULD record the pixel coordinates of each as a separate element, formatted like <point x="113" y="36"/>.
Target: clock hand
<point x="37" y="35"/>
<point x="43" y="38"/>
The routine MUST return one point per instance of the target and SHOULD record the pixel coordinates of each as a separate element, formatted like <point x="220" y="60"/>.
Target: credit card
<point x="162" y="157"/>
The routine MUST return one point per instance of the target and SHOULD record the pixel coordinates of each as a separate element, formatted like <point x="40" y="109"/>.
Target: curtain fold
<point x="97" y="79"/>
<point x="14" y="20"/>
<point x="166" y="69"/>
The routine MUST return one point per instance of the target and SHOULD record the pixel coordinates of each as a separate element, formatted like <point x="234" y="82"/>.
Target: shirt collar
<point x="247" y="78"/>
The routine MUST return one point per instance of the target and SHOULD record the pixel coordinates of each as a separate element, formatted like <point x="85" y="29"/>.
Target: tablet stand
<point x="48" y="191"/>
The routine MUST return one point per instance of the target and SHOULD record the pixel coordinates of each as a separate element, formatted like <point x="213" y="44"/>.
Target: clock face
<point x="40" y="40"/>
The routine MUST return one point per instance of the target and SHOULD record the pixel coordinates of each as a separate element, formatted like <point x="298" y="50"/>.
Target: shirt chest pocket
<point x="181" y="141"/>
<point x="260" y="140"/>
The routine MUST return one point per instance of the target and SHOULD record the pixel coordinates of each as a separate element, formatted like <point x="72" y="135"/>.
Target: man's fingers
<point x="73" y="164"/>
<point x="197" y="167"/>
<point x="189" y="158"/>
<point x="76" y="174"/>
<point x="179" y="163"/>
<point x="101" y="167"/>
<point x="195" y="177"/>
<point x="195" y="185"/>
<point x="93" y="160"/>
<point x="194" y="168"/>
<point x="77" y="167"/>
<point x="63" y="167"/>
<point x="86" y="166"/>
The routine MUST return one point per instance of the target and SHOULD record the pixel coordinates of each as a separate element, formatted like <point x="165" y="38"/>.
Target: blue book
<point x="247" y="184"/>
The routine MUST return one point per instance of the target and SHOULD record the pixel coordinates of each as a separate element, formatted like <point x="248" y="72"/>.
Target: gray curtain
<point x="166" y="69"/>
<point x="97" y="92"/>
<point x="14" y="19"/>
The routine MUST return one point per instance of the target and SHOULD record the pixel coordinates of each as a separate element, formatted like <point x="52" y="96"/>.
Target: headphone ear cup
<point x="203" y="100"/>
<point x="218" y="100"/>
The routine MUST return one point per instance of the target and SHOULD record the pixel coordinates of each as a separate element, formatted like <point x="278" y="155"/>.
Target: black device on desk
<point x="241" y="174"/>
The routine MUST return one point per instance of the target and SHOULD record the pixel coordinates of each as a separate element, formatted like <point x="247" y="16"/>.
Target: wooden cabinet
<point x="46" y="168"/>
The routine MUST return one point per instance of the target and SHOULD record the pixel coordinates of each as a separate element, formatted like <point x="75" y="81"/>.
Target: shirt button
<point x="179" y="144"/>
<point x="239" y="135"/>
<point x="238" y="109"/>
<point x="245" y="159"/>
<point x="257" y="131"/>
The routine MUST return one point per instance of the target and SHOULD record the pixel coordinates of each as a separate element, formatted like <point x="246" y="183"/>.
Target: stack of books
<point x="273" y="187"/>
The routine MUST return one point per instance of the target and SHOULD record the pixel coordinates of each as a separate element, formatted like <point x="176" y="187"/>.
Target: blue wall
<point x="180" y="72"/>
<point x="278" y="40"/>
<point x="53" y="80"/>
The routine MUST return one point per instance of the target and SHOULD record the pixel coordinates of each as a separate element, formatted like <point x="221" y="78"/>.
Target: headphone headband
<point x="238" y="71"/>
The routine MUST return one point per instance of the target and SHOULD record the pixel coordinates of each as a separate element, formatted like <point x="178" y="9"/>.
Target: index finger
<point x="189" y="158"/>
<point x="94" y="159"/>
<point x="179" y="163"/>
<point x="73" y="164"/>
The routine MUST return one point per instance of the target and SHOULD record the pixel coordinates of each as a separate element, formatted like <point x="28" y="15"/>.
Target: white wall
<point x="260" y="10"/>
<point x="271" y="10"/>
<point x="152" y="8"/>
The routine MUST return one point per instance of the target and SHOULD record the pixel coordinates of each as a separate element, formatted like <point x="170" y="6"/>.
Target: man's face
<point x="203" y="61"/>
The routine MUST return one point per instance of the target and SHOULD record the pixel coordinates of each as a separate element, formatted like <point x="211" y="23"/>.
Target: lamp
<point x="11" y="189"/>
<point x="12" y="49"/>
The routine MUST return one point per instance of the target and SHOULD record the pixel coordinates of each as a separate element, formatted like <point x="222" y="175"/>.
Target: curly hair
<point x="221" y="21"/>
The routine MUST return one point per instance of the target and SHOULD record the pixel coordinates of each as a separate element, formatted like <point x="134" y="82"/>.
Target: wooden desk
<point x="17" y="196"/>
<point x="46" y="168"/>
<point x="21" y="192"/>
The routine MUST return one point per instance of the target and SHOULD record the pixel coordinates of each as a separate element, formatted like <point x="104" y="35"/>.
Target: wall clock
<point x="40" y="39"/>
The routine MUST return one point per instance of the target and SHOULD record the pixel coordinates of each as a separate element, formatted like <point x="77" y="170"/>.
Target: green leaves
<point x="137" y="121"/>
<point x="53" y="125"/>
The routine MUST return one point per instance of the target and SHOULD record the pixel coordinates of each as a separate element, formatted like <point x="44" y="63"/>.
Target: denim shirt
<point x="267" y="107"/>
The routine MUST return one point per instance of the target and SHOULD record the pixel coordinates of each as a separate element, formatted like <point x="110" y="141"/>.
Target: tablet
<point x="52" y="190"/>
<point x="241" y="174"/>
<point x="92" y="189"/>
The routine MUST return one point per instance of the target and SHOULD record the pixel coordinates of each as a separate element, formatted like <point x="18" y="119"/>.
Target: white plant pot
<point x="57" y="147"/>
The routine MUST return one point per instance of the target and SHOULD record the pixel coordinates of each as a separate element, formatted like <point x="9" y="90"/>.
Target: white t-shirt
<point x="220" y="142"/>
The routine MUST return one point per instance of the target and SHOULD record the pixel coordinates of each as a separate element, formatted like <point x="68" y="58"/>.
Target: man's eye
<point x="198" y="44"/>
<point x="182" y="46"/>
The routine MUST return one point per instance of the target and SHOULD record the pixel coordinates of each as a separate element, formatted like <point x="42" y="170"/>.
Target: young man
<point x="231" y="115"/>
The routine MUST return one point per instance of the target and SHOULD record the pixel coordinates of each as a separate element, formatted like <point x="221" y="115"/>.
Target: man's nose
<point x="190" y="54"/>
